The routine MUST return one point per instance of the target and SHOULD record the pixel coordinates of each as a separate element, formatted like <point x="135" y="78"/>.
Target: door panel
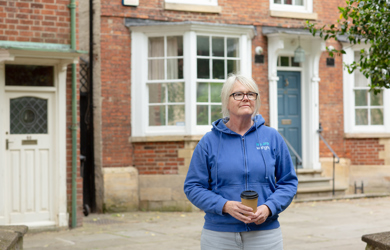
<point x="289" y="109"/>
<point x="29" y="157"/>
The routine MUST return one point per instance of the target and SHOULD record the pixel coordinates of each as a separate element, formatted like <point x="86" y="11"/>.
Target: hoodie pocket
<point x="264" y="191"/>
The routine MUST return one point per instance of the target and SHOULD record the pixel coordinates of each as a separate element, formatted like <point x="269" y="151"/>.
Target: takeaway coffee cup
<point x="249" y="199"/>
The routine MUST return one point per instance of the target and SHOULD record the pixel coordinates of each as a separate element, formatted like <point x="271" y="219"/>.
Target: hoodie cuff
<point x="219" y="206"/>
<point x="271" y="207"/>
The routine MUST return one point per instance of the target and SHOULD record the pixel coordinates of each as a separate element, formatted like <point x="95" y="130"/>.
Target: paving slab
<point x="337" y="224"/>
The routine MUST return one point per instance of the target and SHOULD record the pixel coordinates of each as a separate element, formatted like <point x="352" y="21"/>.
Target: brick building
<point x="155" y="73"/>
<point x="36" y="53"/>
<point x="159" y="69"/>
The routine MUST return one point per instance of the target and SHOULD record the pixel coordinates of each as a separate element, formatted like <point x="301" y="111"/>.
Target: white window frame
<point x="197" y="2"/>
<point x="139" y="72"/>
<point x="306" y="8"/>
<point x="349" y="99"/>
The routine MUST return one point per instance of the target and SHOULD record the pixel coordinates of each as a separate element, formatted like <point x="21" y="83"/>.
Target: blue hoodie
<point x="225" y="163"/>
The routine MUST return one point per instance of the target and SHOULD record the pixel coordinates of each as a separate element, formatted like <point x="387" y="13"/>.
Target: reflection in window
<point x="166" y="104"/>
<point x="29" y="75"/>
<point x="217" y="56"/>
<point x="166" y="86"/>
<point x="368" y="106"/>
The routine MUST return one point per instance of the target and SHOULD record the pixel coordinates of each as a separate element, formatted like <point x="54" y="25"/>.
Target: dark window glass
<point x="29" y="75"/>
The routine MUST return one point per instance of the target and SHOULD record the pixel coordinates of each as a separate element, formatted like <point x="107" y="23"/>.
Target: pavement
<point x="334" y="224"/>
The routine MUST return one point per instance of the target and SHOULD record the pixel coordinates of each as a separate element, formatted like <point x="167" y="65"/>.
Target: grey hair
<point x="227" y="87"/>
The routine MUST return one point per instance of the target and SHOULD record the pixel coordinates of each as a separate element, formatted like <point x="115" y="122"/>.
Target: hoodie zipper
<point x="246" y="168"/>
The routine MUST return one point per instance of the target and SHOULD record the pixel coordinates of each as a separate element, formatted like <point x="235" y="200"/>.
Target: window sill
<point x="297" y="15"/>
<point x="366" y="135"/>
<point x="192" y="7"/>
<point x="136" y="139"/>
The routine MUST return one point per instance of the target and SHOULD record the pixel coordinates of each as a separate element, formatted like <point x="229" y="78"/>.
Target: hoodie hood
<point x="220" y="124"/>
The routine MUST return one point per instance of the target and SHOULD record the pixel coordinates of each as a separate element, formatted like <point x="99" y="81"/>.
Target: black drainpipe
<point x="90" y="92"/>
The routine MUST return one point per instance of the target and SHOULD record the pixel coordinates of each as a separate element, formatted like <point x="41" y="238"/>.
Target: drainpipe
<point x="72" y="7"/>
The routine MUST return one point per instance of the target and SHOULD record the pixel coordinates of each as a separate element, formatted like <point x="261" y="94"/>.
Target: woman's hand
<point x="261" y="215"/>
<point x="237" y="210"/>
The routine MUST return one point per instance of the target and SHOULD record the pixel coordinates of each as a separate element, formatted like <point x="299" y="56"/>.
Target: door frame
<point x="297" y="69"/>
<point x="285" y="42"/>
<point x="59" y="212"/>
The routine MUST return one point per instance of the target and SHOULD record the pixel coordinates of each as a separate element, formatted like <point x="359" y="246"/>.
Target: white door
<point x="29" y="155"/>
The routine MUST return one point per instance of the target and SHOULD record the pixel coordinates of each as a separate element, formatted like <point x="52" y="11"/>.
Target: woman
<point x="241" y="153"/>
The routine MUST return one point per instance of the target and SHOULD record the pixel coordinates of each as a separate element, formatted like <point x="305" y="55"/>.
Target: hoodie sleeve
<point x="197" y="183"/>
<point x="286" y="180"/>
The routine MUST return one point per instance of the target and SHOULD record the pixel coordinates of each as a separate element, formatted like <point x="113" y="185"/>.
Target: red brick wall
<point x="115" y="76"/>
<point x="364" y="151"/>
<point x="260" y="74"/>
<point x="44" y="21"/>
<point x="79" y="179"/>
<point x="233" y="12"/>
<point x="158" y="157"/>
<point x="331" y="104"/>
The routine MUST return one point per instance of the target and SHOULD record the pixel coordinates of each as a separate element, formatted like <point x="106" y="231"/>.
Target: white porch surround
<point x="284" y="42"/>
<point x="40" y="54"/>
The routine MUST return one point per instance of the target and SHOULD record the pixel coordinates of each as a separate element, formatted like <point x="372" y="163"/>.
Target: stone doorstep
<point x="377" y="241"/>
<point x="314" y="182"/>
<point x="11" y="237"/>
<point x="342" y="197"/>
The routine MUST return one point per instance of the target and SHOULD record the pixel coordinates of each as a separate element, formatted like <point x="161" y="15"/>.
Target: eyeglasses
<point x="239" y="96"/>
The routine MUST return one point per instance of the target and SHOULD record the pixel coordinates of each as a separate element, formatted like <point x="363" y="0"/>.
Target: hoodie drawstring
<point x="261" y="151"/>
<point x="216" y="162"/>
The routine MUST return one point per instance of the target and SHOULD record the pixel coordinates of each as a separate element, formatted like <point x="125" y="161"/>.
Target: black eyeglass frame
<point x="244" y="94"/>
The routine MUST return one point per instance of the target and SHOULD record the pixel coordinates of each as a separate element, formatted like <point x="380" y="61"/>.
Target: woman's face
<point x="245" y="107"/>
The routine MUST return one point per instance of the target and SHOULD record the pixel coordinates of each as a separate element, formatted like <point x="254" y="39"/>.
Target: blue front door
<point x="289" y="109"/>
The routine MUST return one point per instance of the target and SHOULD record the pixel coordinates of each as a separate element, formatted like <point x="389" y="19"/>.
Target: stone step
<point x="311" y="192"/>
<point x="308" y="173"/>
<point x="314" y="182"/>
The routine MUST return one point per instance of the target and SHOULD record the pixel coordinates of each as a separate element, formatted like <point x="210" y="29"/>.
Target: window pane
<point x="278" y="1"/>
<point x="218" y="69"/>
<point x="233" y="66"/>
<point x="29" y="75"/>
<point x="156" y="47"/>
<point x="288" y="2"/>
<point x="215" y="89"/>
<point x="202" y="46"/>
<point x="203" y="69"/>
<point x="156" y="69"/>
<point x="28" y="115"/>
<point x="174" y="46"/>
<point x="202" y="92"/>
<point x="216" y="112"/>
<point x="361" y="116"/>
<point x="202" y="115"/>
<point x="361" y="98"/>
<point x="298" y="2"/>
<point x="218" y="46"/>
<point x="157" y="93"/>
<point x="294" y="64"/>
<point x="360" y="79"/>
<point x="175" y="92"/>
<point x="376" y="116"/>
<point x="376" y="100"/>
<point x="157" y="115"/>
<point x="285" y="61"/>
<point x="176" y="115"/>
<point x="174" y="68"/>
<point x="232" y="47"/>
